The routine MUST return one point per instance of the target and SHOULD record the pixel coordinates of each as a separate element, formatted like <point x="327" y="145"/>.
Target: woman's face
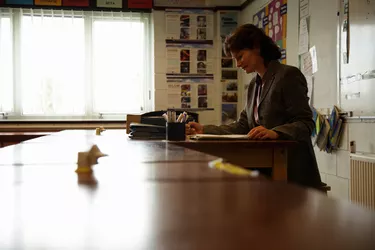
<point x="247" y="59"/>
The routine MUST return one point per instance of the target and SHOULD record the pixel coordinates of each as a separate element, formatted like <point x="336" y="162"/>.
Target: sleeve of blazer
<point x="239" y="127"/>
<point x="294" y="91"/>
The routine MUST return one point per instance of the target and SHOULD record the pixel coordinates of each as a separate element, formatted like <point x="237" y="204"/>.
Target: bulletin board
<point x="273" y="20"/>
<point x="119" y="5"/>
<point x="189" y="58"/>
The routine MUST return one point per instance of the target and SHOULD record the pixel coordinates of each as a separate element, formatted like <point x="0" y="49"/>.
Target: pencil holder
<point x="175" y="131"/>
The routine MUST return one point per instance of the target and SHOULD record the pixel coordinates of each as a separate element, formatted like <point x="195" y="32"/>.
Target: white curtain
<point x="119" y="61"/>
<point x="76" y="63"/>
<point x="52" y="62"/>
<point x="6" y="61"/>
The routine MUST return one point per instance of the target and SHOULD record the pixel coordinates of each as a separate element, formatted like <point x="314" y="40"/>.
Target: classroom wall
<point x="334" y="168"/>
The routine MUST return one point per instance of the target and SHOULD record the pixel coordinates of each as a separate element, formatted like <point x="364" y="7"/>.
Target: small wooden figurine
<point x="87" y="159"/>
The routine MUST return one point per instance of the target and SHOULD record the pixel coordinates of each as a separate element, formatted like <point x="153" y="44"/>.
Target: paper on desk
<point x="219" y="137"/>
<point x="303" y="42"/>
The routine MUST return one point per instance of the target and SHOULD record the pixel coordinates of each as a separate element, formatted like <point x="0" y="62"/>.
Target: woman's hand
<point x="193" y="128"/>
<point x="261" y="133"/>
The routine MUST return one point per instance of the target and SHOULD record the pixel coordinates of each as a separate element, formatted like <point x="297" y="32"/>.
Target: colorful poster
<point x="109" y="3"/>
<point x="189" y="59"/>
<point x="202" y="96"/>
<point x="180" y="3"/>
<point x="260" y="19"/>
<point x="20" y="2"/>
<point x="189" y="92"/>
<point x="230" y="85"/>
<point x="272" y="19"/>
<point x="48" y="2"/>
<point x="77" y="3"/>
<point x="229" y="73"/>
<point x="189" y="25"/>
<point x="228" y="23"/>
<point x="229" y="99"/>
<point x="140" y="4"/>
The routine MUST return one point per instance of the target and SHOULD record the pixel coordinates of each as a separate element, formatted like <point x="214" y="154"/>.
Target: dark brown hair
<point x="248" y="36"/>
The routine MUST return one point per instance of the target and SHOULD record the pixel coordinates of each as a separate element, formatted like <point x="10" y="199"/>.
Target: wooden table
<point x="11" y="138"/>
<point x="248" y="153"/>
<point x="154" y="195"/>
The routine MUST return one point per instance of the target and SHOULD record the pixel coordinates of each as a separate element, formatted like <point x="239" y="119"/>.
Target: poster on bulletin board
<point x="109" y="3"/>
<point x="20" y="2"/>
<point x="186" y="93"/>
<point x="48" y="2"/>
<point x="139" y="4"/>
<point x="272" y="19"/>
<point x="76" y="3"/>
<point x="189" y="59"/>
<point x="229" y="73"/>
<point x="189" y="24"/>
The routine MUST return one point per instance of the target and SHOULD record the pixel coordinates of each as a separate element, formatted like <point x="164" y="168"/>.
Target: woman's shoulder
<point x="289" y="71"/>
<point x="289" y="75"/>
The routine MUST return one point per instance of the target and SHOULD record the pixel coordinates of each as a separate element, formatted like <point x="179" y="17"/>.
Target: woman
<point x="277" y="103"/>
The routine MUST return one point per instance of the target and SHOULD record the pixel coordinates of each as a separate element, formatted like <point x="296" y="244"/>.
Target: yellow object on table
<point x="231" y="168"/>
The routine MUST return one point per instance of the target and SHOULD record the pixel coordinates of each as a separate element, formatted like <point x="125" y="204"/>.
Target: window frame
<point x="89" y="16"/>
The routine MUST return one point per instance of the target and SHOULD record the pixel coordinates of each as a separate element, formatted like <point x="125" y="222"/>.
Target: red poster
<point x="81" y="3"/>
<point x="140" y="4"/>
<point x="2" y="2"/>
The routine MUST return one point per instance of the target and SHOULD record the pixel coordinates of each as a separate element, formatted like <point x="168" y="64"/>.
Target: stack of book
<point x="146" y="131"/>
<point x="328" y="130"/>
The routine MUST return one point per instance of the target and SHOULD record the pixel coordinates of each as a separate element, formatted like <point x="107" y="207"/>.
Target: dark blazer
<point x="283" y="108"/>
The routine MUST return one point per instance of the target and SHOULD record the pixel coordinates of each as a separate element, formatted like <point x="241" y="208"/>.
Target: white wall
<point x="334" y="168"/>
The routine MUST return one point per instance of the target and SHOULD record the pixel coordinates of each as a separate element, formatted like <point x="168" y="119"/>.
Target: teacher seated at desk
<point x="277" y="104"/>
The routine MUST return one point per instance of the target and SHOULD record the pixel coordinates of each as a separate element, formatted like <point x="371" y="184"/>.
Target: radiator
<point x="362" y="180"/>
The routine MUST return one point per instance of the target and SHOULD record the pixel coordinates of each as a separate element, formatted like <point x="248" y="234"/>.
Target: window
<point x="73" y="64"/>
<point x="6" y="64"/>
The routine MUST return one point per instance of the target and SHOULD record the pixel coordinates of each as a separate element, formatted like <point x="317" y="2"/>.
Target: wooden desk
<point x="249" y="154"/>
<point x="154" y="195"/>
<point x="11" y="138"/>
<point x="63" y="147"/>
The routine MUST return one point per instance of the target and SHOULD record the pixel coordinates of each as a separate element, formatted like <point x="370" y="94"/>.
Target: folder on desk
<point x="219" y="137"/>
<point x="146" y="131"/>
